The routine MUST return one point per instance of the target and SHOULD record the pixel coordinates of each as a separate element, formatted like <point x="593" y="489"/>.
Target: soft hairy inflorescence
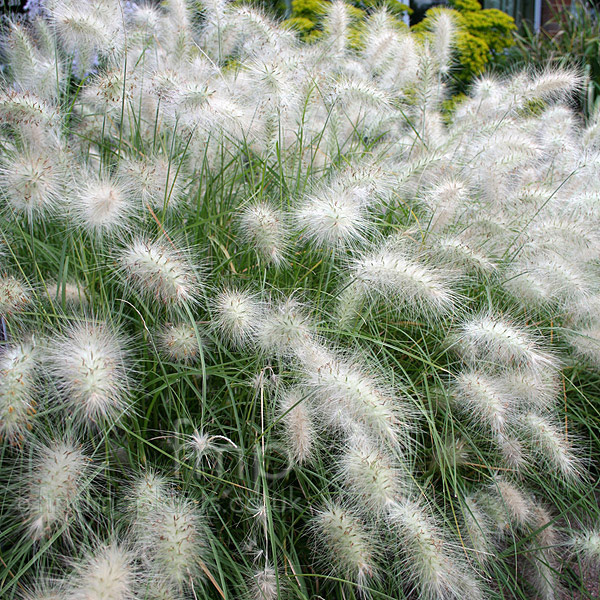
<point x="180" y="342"/>
<point x="236" y="317"/>
<point x="17" y="388"/>
<point x="159" y="271"/>
<point x="54" y="487"/>
<point x="171" y="534"/>
<point x="429" y="563"/>
<point x="106" y="573"/>
<point x="264" y="228"/>
<point x="89" y="363"/>
<point x="347" y="545"/>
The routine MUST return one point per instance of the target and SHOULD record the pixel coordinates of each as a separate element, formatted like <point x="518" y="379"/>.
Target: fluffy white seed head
<point x="237" y="315"/>
<point x="106" y="573"/>
<point x="17" y="389"/>
<point x="332" y="220"/>
<point x="373" y="481"/>
<point x="147" y="492"/>
<point x="283" y="328"/>
<point x="586" y="343"/>
<point x="514" y="503"/>
<point x="298" y="422"/>
<point x="351" y="552"/>
<point x="179" y="343"/>
<point x="264" y="584"/>
<point x="160" y="272"/>
<point x="586" y="545"/>
<point x="101" y="205"/>
<point x="405" y="282"/>
<point x="172" y="538"/>
<point x="263" y="227"/>
<point x="429" y="562"/>
<point x="15" y="295"/>
<point x="494" y="340"/>
<point x="549" y="442"/>
<point x="56" y="483"/>
<point x="89" y="363"/>
<point x="348" y="397"/>
<point x="157" y="181"/>
<point x="33" y="184"/>
<point x="485" y="400"/>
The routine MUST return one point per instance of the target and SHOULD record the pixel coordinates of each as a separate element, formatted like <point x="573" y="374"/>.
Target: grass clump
<point x="271" y="327"/>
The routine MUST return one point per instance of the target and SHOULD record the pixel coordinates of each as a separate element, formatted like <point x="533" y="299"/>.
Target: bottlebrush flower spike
<point x="179" y="343"/>
<point x="17" y="388"/>
<point x="349" y="548"/>
<point x="15" y="296"/>
<point x="90" y="366"/>
<point x="550" y="444"/>
<point x="406" y="282"/>
<point x="429" y="561"/>
<point x="33" y="183"/>
<point x="373" y="480"/>
<point x="237" y="316"/>
<point x="332" y="221"/>
<point x="102" y="205"/>
<point x="160" y="272"/>
<point x="57" y="482"/>
<point x="495" y="340"/>
<point x="264" y="228"/>
<point x="298" y="421"/>
<point x="106" y="573"/>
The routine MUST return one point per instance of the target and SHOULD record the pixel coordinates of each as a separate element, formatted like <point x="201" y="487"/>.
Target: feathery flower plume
<point x="497" y="341"/>
<point x="172" y="537"/>
<point x="513" y="502"/>
<point x="298" y="420"/>
<point x="332" y="220"/>
<point x="372" y="479"/>
<point x="586" y="343"/>
<point x="429" y="563"/>
<point x="147" y="492"/>
<point x="283" y="328"/>
<point x="351" y="550"/>
<point x="264" y="584"/>
<point x="89" y="364"/>
<point x="106" y="573"/>
<point x="336" y="24"/>
<point x="14" y="295"/>
<point x="553" y="83"/>
<point x="17" y="380"/>
<point x="485" y="400"/>
<point x="406" y="282"/>
<point x="85" y="28"/>
<point x="101" y="205"/>
<point x="179" y="343"/>
<point x="160" y="271"/>
<point x="33" y="62"/>
<point x="57" y="481"/>
<point x="551" y="445"/>
<point x="586" y="545"/>
<point x="33" y="183"/>
<point x="348" y="396"/>
<point x="263" y="227"/>
<point x="237" y="314"/>
<point x="156" y="179"/>
<point x="443" y="30"/>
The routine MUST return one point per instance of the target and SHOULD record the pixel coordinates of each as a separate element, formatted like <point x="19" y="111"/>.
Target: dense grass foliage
<point x="273" y="328"/>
